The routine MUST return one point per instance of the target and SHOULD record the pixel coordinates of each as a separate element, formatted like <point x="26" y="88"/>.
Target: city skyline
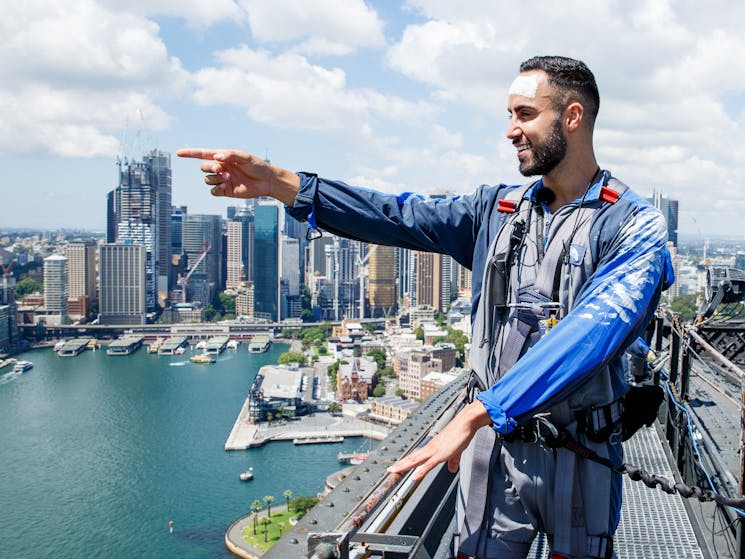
<point x="397" y="96"/>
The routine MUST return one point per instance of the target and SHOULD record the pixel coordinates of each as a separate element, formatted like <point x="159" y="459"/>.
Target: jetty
<point x="216" y="345"/>
<point x="73" y="347"/>
<point x="245" y="434"/>
<point x="259" y="343"/>
<point x="125" y="345"/>
<point x="172" y="345"/>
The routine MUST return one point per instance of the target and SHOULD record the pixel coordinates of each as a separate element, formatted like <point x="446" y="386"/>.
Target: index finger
<point x="198" y="153"/>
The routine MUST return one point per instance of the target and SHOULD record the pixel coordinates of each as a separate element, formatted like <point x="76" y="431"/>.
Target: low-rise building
<point x="356" y="379"/>
<point x="391" y="409"/>
<point x="433" y="381"/>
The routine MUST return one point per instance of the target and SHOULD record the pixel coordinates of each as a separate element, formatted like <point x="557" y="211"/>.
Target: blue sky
<point x="393" y="95"/>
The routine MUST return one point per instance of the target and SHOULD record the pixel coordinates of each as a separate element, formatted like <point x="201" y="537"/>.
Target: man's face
<point x="535" y="126"/>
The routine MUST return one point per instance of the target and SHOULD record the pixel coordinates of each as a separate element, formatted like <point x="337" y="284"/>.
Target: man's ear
<point x="573" y="115"/>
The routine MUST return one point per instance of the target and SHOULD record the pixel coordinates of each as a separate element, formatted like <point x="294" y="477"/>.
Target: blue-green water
<point x="98" y="453"/>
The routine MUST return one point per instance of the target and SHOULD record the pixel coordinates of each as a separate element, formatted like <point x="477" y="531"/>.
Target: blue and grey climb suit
<point x="557" y="353"/>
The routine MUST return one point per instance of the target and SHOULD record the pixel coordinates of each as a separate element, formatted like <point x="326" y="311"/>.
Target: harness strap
<point x="485" y="450"/>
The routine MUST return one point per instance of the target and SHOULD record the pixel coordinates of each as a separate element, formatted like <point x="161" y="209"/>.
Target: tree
<point x="379" y="390"/>
<point x="265" y="523"/>
<point x="287" y="495"/>
<point x="256" y="507"/>
<point x="379" y="356"/>
<point x="268" y="499"/>
<point x="28" y="285"/>
<point x="304" y="504"/>
<point x="685" y="305"/>
<point x="291" y="357"/>
<point x="419" y="333"/>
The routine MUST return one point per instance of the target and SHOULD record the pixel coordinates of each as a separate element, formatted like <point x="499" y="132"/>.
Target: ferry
<point x="22" y="366"/>
<point x="248" y="475"/>
<point x="317" y="440"/>
<point x="202" y="358"/>
<point x="354" y="458"/>
<point x="233" y="344"/>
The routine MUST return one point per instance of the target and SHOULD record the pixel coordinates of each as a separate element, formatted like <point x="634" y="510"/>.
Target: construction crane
<point x="184" y="280"/>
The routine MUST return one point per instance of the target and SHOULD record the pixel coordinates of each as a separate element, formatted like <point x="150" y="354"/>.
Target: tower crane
<point x="184" y="280"/>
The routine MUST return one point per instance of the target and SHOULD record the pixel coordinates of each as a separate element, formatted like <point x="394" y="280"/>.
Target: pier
<point x="73" y="347"/>
<point x="216" y="345"/>
<point x="245" y="435"/>
<point x="125" y="346"/>
<point x="172" y="345"/>
<point x="259" y="343"/>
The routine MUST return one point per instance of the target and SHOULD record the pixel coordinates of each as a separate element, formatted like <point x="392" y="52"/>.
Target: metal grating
<point x="654" y="525"/>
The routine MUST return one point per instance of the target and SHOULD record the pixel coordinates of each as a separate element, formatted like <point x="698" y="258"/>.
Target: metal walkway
<point x="654" y="525"/>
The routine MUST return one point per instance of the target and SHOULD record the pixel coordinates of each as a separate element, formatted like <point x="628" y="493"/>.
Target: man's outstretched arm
<point x="447" y="445"/>
<point x="241" y="175"/>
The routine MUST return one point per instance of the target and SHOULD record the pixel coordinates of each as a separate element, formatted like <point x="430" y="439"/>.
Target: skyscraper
<point x="433" y="280"/>
<point x="669" y="209"/>
<point x="122" y="284"/>
<point x="139" y="211"/>
<point x="81" y="269"/>
<point x="55" y="289"/>
<point x="10" y="337"/>
<point x="266" y="260"/>
<point x="158" y="165"/>
<point x="382" y="281"/>
<point x="203" y="233"/>
<point x="290" y="278"/>
<point x="81" y="273"/>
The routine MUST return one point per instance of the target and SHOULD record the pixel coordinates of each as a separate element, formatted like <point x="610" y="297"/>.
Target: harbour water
<point x="99" y="453"/>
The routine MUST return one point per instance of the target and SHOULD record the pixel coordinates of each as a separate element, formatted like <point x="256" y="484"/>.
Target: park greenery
<point x="267" y="526"/>
<point x="27" y="286"/>
<point x="289" y="357"/>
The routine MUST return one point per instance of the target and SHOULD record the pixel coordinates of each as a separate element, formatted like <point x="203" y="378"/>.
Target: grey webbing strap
<point x="514" y="344"/>
<point x="548" y="279"/>
<point x="485" y="449"/>
<point x="564" y="487"/>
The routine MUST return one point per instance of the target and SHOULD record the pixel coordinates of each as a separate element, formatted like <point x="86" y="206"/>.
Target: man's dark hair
<point x="572" y="78"/>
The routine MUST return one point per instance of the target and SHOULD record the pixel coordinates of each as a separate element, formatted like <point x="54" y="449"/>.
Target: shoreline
<point x="245" y="435"/>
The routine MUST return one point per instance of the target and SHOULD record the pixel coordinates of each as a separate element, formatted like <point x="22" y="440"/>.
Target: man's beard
<point x="546" y="155"/>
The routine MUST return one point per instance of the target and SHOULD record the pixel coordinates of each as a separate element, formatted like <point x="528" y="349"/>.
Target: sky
<point x="394" y="95"/>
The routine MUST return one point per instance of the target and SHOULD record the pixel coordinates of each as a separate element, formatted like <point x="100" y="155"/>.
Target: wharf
<point x="246" y="435"/>
<point x="73" y="347"/>
<point x="125" y="345"/>
<point x="259" y="343"/>
<point x="216" y="345"/>
<point x="169" y="346"/>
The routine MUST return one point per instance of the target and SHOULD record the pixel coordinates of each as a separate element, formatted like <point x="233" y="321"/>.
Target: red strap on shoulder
<point x="506" y="206"/>
<point x="609" y="195"/>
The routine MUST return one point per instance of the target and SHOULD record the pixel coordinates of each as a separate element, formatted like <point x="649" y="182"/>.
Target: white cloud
<point x="72" y="74"/>
<point x="198" y="13"/>
<point x="288" y="91"/>
<point x="326" y="24"/>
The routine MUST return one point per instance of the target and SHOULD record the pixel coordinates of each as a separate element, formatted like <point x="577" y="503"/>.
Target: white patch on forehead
<point x="525" y="86"/>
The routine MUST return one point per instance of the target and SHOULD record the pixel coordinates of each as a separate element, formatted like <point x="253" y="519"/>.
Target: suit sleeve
<point x="407" y="220"/>
<point x="612" y="310"/>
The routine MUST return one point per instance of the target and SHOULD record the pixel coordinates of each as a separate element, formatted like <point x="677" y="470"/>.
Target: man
<point x="567" y="271"/>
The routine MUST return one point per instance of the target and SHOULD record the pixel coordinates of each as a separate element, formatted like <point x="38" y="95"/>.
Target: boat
<point x="318" y="440"/>
<point x="22" y="366"/>
<point x="59" y="345"/>
<point x="179" y="351"/>
<point x="201" y="345"/>
<point x="248" y="475"/>
<point x="202" y="358"/>
<point x="233" y="344"/>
